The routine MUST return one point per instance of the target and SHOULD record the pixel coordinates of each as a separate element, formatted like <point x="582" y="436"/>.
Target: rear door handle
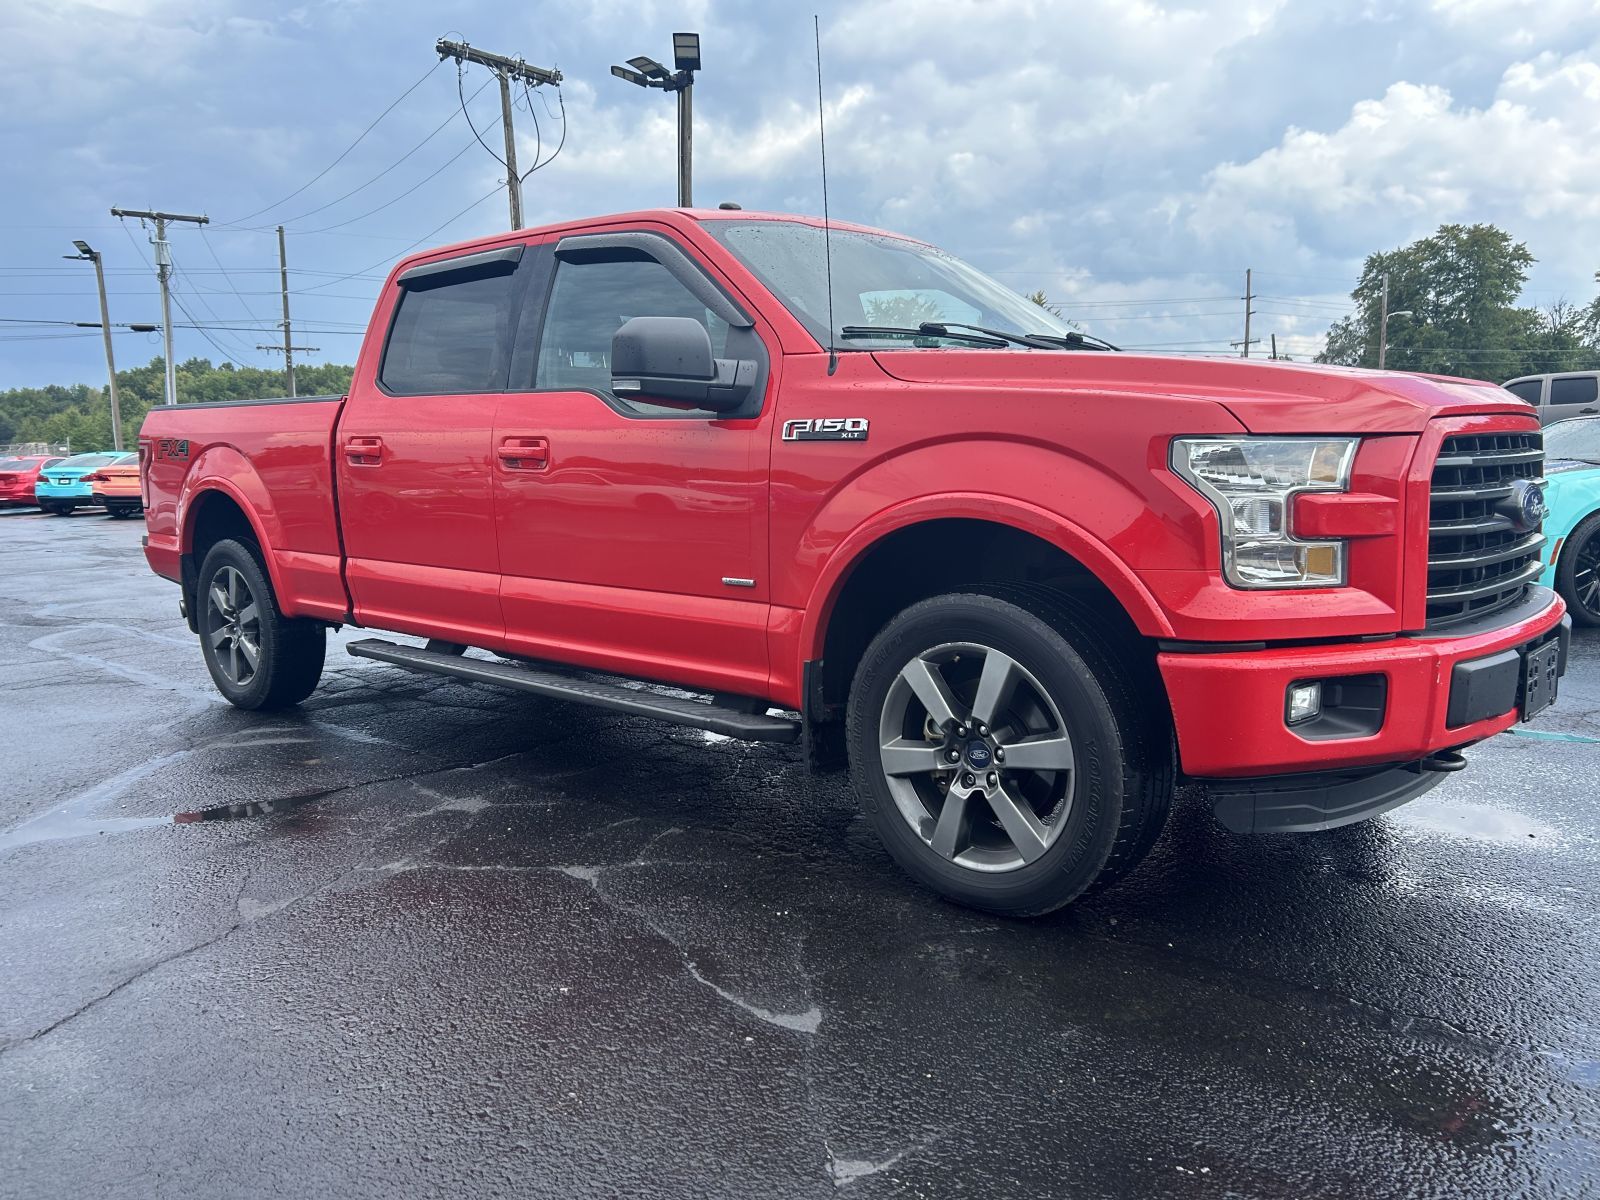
<point x="525" y="453"/>
<point x="1587" y="411"/>
<point x="363" y="451"/>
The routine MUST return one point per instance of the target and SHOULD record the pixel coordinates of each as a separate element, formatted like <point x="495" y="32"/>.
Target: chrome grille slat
<point x="1478" y="561"/>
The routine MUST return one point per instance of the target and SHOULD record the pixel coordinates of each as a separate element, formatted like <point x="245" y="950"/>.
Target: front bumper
<point x="1228" y="704"/>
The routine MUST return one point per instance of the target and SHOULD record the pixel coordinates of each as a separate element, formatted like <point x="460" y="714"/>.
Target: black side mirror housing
<point x="670" y="359"/>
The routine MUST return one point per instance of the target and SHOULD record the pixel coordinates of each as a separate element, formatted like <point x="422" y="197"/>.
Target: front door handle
<point x="1587" y="411"/>
<point x="525" y="453"/>
<point x="363" y="451"/>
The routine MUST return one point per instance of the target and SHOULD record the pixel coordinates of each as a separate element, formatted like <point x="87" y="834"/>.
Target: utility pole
<point x="506" y="69"/>
<point x="1383" y="323"/>
<point x="85" y="252"/>
<point x="1274" y="347"/>
<point x="288" y="341"/>
<point x="164" y="274"/>
<point x="646" y="72"/>
<point x="1249" y="296"/>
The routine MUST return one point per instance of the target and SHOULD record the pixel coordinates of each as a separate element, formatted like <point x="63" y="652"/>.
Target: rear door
<point x="1575" y="395"/>
<point x="413" y="451"/>
<point x="632" y="535"/>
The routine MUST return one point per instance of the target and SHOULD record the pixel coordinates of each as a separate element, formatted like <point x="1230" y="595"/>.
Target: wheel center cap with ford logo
<point x="979" y="756"/>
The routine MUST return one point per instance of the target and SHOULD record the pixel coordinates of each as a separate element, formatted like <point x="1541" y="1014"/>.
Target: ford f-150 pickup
<point x="842" y="489"/>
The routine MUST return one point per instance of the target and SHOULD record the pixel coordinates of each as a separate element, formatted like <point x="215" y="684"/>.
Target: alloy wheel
<point x="977" y="757"/>
<point x="233" y="626"/>
<point x="1586" y="575"/>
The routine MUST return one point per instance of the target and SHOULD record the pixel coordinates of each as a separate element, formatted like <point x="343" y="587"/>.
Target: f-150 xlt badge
<point x="826" y="429"/>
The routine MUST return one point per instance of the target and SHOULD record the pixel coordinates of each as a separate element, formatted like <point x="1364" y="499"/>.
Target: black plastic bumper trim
<point x="1312" y="802"/>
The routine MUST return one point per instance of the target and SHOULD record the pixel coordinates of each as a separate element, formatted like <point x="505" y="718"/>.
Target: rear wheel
<point x="123" y="511"/>
<point x="58" y="510"/>
<point x="1578" y="572"/>
<point x="258" y="658"/>
<point x="999" y="747"/>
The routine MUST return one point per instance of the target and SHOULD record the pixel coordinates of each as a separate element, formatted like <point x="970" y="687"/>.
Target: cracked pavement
<point x="419" y="937"/>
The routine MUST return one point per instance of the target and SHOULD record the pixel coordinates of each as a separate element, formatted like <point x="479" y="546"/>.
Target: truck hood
<point x="1265" y="396"/>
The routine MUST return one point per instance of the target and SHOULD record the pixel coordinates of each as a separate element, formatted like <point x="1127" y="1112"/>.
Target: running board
<point x="750" y="727"/>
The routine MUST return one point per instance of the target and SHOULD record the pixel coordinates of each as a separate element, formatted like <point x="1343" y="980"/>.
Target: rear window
<point x="1528" y="390"/>
<point x="91" y="460"/>
<point x="451" y="333"/>
<point x="1574" y="389"/>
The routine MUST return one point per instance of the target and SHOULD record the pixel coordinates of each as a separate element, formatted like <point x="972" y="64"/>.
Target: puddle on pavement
<point x="56" y="826"/>
<point x="1475" y="823"/>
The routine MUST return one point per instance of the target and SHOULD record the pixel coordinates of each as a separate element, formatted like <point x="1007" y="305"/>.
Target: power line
<point x="345" y="151"/>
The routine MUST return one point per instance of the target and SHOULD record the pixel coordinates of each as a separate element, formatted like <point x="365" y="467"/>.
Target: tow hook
<point x="1444" y="761"/>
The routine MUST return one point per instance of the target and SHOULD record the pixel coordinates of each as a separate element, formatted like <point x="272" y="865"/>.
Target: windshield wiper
<point x="925" y="330"/>
<point x="1074" y="341"/>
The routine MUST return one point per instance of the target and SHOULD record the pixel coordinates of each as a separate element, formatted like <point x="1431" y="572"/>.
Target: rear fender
<point x="224" y="470"/>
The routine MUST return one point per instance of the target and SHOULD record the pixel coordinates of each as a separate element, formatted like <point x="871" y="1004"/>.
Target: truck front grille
<point x="1478" y="559"/>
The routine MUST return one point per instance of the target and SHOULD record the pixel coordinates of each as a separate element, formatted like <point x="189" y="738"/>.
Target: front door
<point x="632" y="535"/>
<point x="413" y="454"/>
<point x="1572" y="396"/>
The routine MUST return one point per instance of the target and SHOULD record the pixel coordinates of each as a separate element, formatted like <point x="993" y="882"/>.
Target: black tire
<point x="1578" y="572"/>
<point x="289" y="653"/>
<point x="123" y="511"/>
<point x="1111" y="710"/>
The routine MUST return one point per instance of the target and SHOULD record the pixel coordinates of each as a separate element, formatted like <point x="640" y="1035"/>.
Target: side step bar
<point x="730" y="722"/>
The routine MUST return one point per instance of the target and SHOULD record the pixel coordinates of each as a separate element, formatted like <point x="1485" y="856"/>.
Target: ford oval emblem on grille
<point x="1525" y="507"/>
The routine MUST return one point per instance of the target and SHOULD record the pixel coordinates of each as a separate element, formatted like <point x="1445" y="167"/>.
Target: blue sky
<point x="1131" y="158"/>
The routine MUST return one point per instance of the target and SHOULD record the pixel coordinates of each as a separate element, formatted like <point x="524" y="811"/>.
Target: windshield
<point x="1578" y="440"/>
<point x="878" y="281"/>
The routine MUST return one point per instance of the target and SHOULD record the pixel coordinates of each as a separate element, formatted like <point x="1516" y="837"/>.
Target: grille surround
<point x="1479" y="562"/>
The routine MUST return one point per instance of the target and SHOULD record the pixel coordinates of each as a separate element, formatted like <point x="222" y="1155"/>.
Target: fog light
<point x="1305" y="702"/>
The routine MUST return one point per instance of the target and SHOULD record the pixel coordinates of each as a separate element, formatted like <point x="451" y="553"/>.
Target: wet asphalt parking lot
<point x="452" y="941"/>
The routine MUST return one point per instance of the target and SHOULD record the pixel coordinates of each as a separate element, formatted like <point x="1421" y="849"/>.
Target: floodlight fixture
<point x="630" y="76"/>
<point x="649" y="66"/>
<point x="686" y="51"/>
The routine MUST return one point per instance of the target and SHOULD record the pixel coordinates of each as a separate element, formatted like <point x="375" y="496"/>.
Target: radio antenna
<point x="827" y="240"/>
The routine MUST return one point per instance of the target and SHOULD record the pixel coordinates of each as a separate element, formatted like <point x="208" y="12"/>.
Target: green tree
<point x="1460" y="286"/>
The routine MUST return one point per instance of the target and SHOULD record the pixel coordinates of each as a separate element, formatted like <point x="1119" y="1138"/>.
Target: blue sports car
<point x="61" y="488"/>
<point x="1572" y="471"/>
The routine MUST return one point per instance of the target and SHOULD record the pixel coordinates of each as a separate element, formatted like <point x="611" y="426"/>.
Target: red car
<point x="18" y="477"/>
<point x="1022" y="583"/>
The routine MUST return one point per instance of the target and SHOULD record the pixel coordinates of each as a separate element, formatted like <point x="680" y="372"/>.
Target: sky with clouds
<point x="1131" y="158"/>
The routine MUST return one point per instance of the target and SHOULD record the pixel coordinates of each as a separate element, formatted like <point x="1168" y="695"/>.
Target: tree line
<point x="81" y="415"/>
<point x="1460" y="288"/>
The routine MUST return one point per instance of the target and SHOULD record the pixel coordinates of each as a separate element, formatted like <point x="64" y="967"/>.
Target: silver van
<point x="1559" y="396"/>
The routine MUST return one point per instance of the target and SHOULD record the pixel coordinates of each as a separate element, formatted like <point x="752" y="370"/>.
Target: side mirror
<point x="669" y="359"/>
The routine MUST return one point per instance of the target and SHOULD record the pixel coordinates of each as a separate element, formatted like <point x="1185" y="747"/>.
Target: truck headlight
<point x="1252" y="483"/>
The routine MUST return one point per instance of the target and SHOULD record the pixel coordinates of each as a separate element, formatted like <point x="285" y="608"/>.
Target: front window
<point x="880" y="283"/>
<point x="1576" y="441"/>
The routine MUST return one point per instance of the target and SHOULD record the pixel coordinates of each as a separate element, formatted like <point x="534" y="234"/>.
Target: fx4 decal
<point x="173" y="448"/>
<point x="826" y="429"/>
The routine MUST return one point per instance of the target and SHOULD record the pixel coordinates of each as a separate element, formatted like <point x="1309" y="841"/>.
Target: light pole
<point x="1383" y="334"/>
<point x="85" y="253"/>
<point x="648" y="73"/>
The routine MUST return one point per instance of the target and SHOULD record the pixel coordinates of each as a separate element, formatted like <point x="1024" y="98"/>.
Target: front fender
<point x="1052" y="527"/>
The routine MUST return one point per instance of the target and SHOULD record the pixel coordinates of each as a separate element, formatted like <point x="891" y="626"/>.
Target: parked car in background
<point x="1559" y="396"/>
<point x="116" y="487"/>
<point x="62" y="487"/>
<point x="1572" y="468"/>
<point x="18" y="475"/>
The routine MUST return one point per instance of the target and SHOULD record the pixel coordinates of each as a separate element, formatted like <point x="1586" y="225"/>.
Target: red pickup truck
<point x="846" y="490"/>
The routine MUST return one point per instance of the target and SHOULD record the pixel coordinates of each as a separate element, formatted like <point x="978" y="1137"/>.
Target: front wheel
<point x="1578" y="572"/>
<point x="258" y="658"/>
<point x="1000" y="749"/>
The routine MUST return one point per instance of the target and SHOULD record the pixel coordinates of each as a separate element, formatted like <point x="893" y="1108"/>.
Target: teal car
<point x="1572" y="529"/>
<point x="61" y="487"/>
